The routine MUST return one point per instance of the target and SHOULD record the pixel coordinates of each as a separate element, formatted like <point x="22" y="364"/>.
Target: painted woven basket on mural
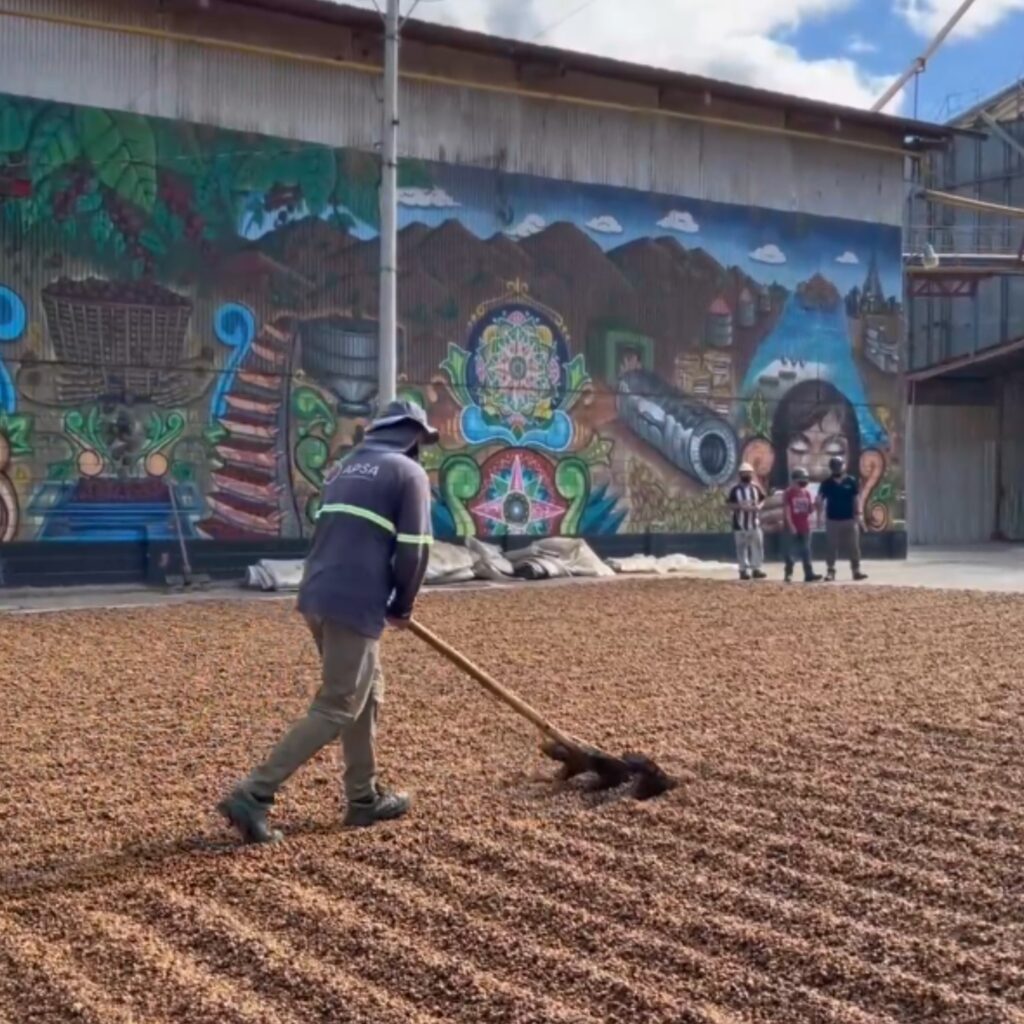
<point x="128" y="333"/>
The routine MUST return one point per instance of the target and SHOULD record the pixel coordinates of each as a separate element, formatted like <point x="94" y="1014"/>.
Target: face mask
<point x="801" y="483"/>
<point x="746" y="478"/>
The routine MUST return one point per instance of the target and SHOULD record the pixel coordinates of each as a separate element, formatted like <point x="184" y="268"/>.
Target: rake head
<point x="611" y="772"/>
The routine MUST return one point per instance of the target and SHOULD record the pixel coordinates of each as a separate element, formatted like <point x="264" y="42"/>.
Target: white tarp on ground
<point x="451" y="563"/>
<point x="554" y="557"/>
<point x="271" y="574"/>
<point x="675" y="564"/>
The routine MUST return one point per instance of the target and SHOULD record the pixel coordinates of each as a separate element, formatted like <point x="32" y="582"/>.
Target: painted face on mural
<point x="812" y="447"/>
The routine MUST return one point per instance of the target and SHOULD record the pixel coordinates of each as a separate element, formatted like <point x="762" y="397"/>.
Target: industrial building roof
<point x="547" y="63"/>
<point x="1005" y="105"/>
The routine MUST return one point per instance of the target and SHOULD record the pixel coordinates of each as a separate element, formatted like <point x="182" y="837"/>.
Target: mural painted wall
<point x="187" y="329"/>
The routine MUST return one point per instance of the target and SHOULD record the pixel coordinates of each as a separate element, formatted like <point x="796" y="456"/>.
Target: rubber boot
<point x="248" y="816"/>
<point x="384" y="806"/>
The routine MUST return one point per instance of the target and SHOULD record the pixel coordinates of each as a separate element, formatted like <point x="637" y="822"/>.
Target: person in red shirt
<point x="797" y="507"/>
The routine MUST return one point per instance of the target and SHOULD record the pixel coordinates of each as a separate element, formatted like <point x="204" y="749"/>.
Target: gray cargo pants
<point x="841" y="533"/>
<point x="345" y="706"/>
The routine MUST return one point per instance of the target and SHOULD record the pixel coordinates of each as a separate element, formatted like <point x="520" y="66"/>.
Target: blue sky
<point x="845" y="51"/>
<point x="967" y="69"/>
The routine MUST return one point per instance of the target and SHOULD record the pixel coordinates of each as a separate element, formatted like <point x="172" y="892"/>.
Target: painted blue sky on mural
<point x="769" y="245"/>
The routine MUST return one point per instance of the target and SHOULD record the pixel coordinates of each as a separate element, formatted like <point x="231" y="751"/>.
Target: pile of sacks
<point x="544" y="559"/>
<point x="549" y="558"/>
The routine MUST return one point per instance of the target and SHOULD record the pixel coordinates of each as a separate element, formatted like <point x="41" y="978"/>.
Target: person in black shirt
<point x="840" y="497"/>
<point x="745" y="500"/>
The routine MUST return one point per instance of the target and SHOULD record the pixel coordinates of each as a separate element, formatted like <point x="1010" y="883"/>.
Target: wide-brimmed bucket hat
<point x="404" y="411"/>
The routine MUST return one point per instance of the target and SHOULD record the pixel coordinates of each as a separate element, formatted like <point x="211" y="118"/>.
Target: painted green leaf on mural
<point x="598" y="452"/>
<point x="758" y="415"/>
<point x="119" y="244"/>
<point x="18" y="431"/>
<point x="100" y="227"/>
<point x="122" y="148"/>
<point x="572" y="478"/>
<point x="15" y="124"/>
<point x="884" y="493"/>
<point x="89" y="203"/>
<point x="166" y="223"/>
<point x="86" y="428"/>
<point x="214" y="434"/>
<point x="149" y="239"/>
<point x="54" y="143"/>
<point x="311" y="455"/>
<point x="576" y="377"/>
<point x="312" y="411"/>
<point x="414" y="174"/>
<point x="261" y="170"/>
<point x="58" y="472"/>
<point x="460" y="483"/>
<point x="183" y="472"/>
<point x="317" y="174"/>
<point x="177" y="148"/>
<point x="457" y="367"/>
<point x="356" y="189"/>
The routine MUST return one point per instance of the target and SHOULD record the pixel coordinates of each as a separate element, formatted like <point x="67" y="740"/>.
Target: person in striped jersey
<point x="745" y="500"/>
<point x="364" y="569"/>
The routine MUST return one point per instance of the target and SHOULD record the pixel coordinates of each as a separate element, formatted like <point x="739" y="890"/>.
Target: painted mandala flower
<point x="518" y="370"/>
<point x="519" y="497"/>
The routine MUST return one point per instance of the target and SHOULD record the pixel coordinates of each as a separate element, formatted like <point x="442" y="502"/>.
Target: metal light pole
<point x="388" y="325"/>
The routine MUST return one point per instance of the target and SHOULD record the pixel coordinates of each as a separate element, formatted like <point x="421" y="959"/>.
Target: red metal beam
<point x="1010" y="348"/>
<point x="945" y="287"/>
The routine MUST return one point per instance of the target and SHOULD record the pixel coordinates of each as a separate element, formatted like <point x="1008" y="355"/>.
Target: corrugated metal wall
<point x="979" y="168"/>
<point x="1011" y="511"/>
<point x="952" y="471"/>
<point x="449" y="124"/>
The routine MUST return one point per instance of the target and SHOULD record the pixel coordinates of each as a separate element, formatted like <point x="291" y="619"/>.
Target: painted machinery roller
<point x="691" y="436"/>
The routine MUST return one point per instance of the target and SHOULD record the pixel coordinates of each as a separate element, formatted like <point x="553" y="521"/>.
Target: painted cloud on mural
<point x="425" y="197"/>
<point x="768" y="254"/>
<point x="531" y="224"/>
<point x="679" y="220"/>
<point x="848" y="257"/>
<point x="606" y="225"/>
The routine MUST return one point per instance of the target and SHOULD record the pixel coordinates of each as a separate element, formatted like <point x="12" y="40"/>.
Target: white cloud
<point x="768" y="254"/>
<point x="738" y="40"/>
<point x="606" y="225"/>
<point x="847" y="257"/>
<point x="858" y="45"/>
<point x="679" y="220"/>
<point x="926" y="17"/>
<point x="425" y="197"/>
<point x="529" y="225"/>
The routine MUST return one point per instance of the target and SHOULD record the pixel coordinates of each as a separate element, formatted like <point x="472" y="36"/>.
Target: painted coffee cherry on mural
<point x="95" y="289"/>
<point x="176" y="195"/>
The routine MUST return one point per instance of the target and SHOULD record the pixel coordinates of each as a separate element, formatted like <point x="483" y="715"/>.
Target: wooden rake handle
<point x="505" y="695"/>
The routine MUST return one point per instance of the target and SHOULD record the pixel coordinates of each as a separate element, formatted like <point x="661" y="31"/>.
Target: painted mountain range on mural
<point x="190" y="314"/>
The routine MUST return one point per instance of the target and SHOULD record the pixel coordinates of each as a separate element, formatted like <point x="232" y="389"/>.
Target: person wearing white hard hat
<point x="745" y="500"/>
